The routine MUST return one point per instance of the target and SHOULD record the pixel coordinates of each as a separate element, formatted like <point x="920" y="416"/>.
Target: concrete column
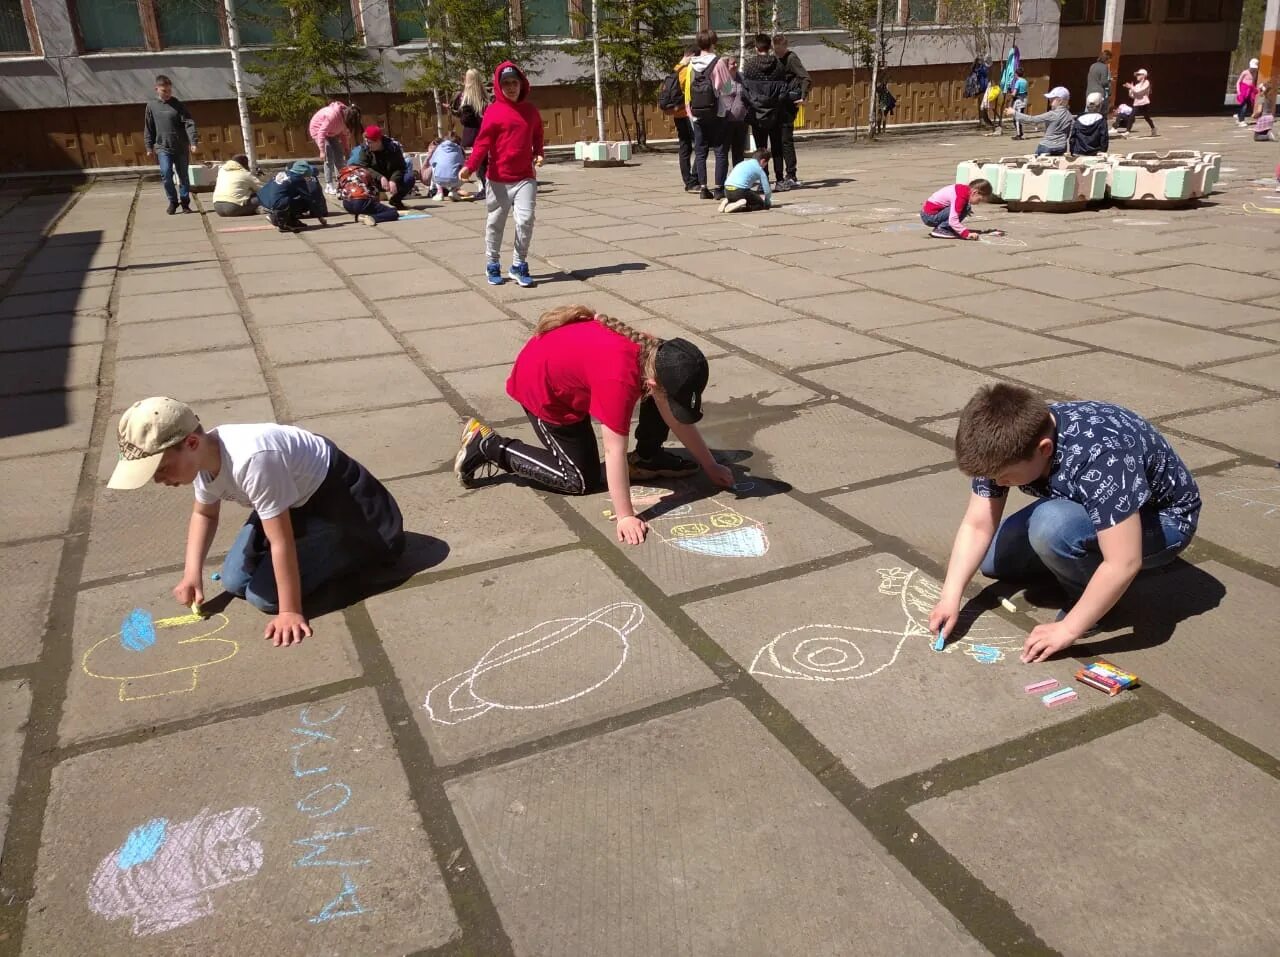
<point x="1112" y="28"/>
<point x="1269" y="58"/>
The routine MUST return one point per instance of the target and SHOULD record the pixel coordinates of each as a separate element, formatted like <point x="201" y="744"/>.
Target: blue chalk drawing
<point x="318" y="845"/>
<point x="142" y="843"/>
<point x="985" y="654"/>
<point x="138" y="630"/>
<point x="747" y="542"/>
<point x="305" y="716"/>
<point x="331" y="909"/>
<point x="309" y="806"/>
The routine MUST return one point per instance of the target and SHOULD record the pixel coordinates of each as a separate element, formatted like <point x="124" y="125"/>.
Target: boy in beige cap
<point x="317" y="513"/>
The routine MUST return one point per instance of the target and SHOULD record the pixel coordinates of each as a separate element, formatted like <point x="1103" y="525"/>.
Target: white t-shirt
<point x="269" y="468"/>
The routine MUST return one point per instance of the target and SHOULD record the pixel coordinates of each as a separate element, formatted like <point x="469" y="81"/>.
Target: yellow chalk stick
<point x="1009" y="606"/>
<point x="195" y="609"/>
<point x="179" y="620"/>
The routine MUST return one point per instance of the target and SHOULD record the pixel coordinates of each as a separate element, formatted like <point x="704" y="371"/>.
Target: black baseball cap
<point x="682" y="373"/>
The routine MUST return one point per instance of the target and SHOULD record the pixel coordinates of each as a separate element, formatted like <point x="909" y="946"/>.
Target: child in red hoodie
<point x="510" y="138"/>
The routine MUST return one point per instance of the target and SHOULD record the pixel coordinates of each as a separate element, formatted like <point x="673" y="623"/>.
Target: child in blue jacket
<point x="446" y="160"/>
<point x="739" y="185"/>
<point x="292" y="194"/>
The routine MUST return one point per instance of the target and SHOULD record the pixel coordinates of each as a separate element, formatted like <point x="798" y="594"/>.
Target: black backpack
<point x="670" y="96"/>
<point x="703" y="101"/>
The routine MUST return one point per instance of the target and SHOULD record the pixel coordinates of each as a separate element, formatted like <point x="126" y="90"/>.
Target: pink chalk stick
<point x="1061" y="699"/>
<point x="1041" y="685"/>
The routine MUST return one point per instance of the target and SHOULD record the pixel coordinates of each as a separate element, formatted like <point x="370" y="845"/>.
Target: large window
<point x="1137" y="11"/>
<point x="13" y="28"/>
<point x="546" y="18"/>
<point x="1075" y="12"/>
<point x="411" y="20"/>
<point x="820" y="15"/>
<point x="188" y="23"/>
<point x="724" y="16"/>
<point x="255" y="18"/>
<point x="922" y="11"/>
<point x="110" y="25"/>
<point x="1206" y="11"/>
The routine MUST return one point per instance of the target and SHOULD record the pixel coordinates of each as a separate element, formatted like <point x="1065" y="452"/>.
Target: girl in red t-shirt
<point x="580" y="365"/>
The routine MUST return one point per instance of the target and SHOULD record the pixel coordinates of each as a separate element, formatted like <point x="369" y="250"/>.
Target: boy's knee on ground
<point x="1054" y="529"/>
<point x="267" y="603"/>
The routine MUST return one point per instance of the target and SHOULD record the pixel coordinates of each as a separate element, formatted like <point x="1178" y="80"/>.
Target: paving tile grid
<point x="833" y="313"/>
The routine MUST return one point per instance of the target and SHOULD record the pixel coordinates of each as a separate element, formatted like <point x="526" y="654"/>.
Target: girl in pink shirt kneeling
<point x="946" y="209"/>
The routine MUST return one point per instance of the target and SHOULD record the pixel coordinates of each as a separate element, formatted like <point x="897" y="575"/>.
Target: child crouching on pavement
<point x="446" y="162"/>
<point x="1112" y="499"/>
<point x="317" y="514"/>
<point x="947" y="209"/>
<point x="739" y="185"/>
<point x="358" y="191"/>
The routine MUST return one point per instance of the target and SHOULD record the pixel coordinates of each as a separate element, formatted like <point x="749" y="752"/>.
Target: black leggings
<point x="754" y="200"/>
<point x="570" y="461"/>
<point x="1143" y="111"/>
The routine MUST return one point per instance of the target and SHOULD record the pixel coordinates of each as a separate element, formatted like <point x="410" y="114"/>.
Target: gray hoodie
<point x="1057" y="126"/>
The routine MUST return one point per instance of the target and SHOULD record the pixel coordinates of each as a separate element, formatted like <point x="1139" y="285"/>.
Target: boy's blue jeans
<point x="248" y="572"/>
<point x="1054" y="536"/>
<point x="169" y="166"/>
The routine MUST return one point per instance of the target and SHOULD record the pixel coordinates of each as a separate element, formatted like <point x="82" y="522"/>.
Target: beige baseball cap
<point x="146" y="429"/>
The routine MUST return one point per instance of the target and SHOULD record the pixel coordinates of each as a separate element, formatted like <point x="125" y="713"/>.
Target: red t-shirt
<point x="578" y="370"/>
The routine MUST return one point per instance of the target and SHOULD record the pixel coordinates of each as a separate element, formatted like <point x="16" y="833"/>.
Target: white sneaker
<point x="331" y="190"/>
<point x="724" y="204"/>
<point x="366" y="219"/>
<point x="735" y="206"/>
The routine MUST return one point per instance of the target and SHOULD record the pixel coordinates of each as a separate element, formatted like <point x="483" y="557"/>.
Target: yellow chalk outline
<point x="174" y="622"/>
<point x="1254" y="208"/>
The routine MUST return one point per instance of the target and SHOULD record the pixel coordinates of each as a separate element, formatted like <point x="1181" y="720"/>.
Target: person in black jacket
<point x="1089" y="132"/>
<point x="771" y="98"/>
<point x="170" y="134"/>
<point x="385" y="157"/>
<point x="798" y="76"/>
<point x="292" y="194"/>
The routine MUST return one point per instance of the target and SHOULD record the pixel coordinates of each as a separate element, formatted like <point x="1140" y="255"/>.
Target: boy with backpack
<point x="671" y="102"/>
<point x="358" y="191"/>
<point x="706" y="80"/>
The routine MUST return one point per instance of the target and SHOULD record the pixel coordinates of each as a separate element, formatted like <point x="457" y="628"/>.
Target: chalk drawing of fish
<point x="154" y="658"/>
<point x="163" y="876"/>
<point x="576" y="656"/>
<point x="833" y="653"/>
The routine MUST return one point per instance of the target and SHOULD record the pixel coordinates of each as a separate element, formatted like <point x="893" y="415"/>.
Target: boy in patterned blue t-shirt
<point x="1113" y="499"/>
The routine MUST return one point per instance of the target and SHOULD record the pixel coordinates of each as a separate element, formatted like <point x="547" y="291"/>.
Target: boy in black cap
<point x="580" y="365"/>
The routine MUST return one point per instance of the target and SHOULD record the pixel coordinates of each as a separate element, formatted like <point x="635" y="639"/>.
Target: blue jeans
<point x="169" y="166"/>
<point x="1042" y="150"/>
<point x="380" y="212"/>
<point x="942" y="217"/>
<point x="333" y="160"/>
<point x="1054" y="536"/>
<point x="248" y="572"/>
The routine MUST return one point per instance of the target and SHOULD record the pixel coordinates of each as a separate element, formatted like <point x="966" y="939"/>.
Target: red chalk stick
<point x="1041" y="685"/>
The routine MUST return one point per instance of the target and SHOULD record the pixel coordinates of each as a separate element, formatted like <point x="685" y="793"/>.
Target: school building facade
<point x="74" y="74"/>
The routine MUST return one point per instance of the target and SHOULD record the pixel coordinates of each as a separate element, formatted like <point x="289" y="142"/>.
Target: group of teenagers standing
<point x="715" y="100"/>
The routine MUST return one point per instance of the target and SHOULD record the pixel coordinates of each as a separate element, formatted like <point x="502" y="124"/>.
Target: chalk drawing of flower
<point x="163" y="876"/>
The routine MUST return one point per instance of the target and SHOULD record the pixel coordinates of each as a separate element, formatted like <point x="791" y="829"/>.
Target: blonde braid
<point x="564" y="315"/>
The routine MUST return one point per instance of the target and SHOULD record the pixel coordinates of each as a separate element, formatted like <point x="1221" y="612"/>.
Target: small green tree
<point x="462" y="35"/>
<point x="640" y="40"/>
<point x="858" y="19"/>
<point x="318" y="51"/>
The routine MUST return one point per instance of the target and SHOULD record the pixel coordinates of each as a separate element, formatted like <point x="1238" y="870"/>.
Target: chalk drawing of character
<point x="163" y="876"/>
<point x="833" y="653"/>
<point x="703" y="527"/>
<point x="547" y="665"/>
<point x="152" y="659"/>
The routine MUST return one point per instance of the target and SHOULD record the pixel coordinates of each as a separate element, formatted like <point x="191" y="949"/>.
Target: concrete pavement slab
<point x="198" y="334"/>
<point x="392" y="442"/>
<point x="305" y="307"/>
<point x="1106" y="262"/>
<point x="47" y="422"/>
<point x="1071" y="284"/>
<point x="1184" y="307"/>
<point x="868" y="309"/>
<point x="175" y="305"/>
<point x="924" y="511"/>
<point x="54" y="281"/>
<point x="943" y="387"/>
<point x="254" y="262"/>
<point x="315" y="829"/>
<point x="1029" y="310"/>
<point x="15" y="706"/>
<point x="836" y="261"/>
<point x="922" y="283"/>
<point x="28" y="572"/>
<point x="1264" y="371"/>
<point x="610" y="305"/>
<point x="697" y="538"/>
<point x="37" y="493"/>
<point x="484" y="392"/>
<point x="721" y="310"/>
<point x="127" y="675"/>
<point x="290" y="283"/>
<point x="357" y="263"/>
<point x="1267" y="330"/>
<point x="470" y="346"/>
<point x="653" y="284"/>
<point x="547" y="840"/>
<point x="43" y="370"/>
<point x="90" y="300"/>
<point x="734" y="380"/>
<point x="978" y="342"/>
<point x="423" y="280"/>
<point x="1148" y="389"/>
<point x="1158" y="786"/>
<point x="370" y="383"/>
<point x="1164" y="341"/>
<point x="191" y="377"/>
<point x="788" y="282"/>
<point x="146" y="282"/>
<point x="73" y="261"/>
<point x="1242" y="511"/>
<point x="328" y="339"/>
<point x="831" y="445"/>
<point x="561" y="642"/>
<point x="445" y="309"/>
<point x="43" y="332"/>
<point x="1215" y="257"/>
<point x="848" y="651"/>
<point x="1208" y="281"/>
<point x="1251" y="428"/>
<point x="804" y="342"/>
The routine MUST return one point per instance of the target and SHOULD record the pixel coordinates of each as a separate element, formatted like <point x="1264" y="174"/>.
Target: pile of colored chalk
<point x="1106" y="677"/>
<point x="1055" y="695"/>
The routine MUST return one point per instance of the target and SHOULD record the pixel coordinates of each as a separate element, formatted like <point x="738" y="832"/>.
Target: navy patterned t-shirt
<point x="1113" y="462"/>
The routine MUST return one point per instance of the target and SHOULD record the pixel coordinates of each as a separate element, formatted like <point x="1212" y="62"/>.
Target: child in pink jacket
<point x="331" y="127"/>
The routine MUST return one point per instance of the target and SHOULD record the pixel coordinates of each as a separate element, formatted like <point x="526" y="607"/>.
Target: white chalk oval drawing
<point x="163" y="876"/>
<point x="500" y="678"/>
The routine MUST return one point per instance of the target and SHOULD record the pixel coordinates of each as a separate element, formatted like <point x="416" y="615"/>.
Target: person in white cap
<point x="1246" y="90"/>
<point x="317" y="513"/>
<point x="1140" y="93"/>
<point x="1057" y="122"/>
